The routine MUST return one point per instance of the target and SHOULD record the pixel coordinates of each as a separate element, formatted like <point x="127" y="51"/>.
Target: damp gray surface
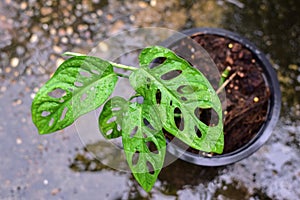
<point x="34" y="33"/>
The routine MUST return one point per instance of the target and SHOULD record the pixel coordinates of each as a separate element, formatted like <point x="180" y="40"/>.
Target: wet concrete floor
<point x="34" y="33"/>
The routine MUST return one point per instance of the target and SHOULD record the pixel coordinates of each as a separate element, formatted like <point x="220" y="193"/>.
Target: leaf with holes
<point x="110" y="119"/>
<point x="144" y="143"/>
<point x="189" y="106"/>
<point x="81" y="84"/>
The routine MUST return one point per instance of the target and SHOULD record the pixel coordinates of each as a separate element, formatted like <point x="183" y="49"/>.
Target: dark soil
<point x="247" y="94"/>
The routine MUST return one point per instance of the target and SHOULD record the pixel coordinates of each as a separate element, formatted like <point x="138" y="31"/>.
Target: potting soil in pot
<point x="247" y="95"/>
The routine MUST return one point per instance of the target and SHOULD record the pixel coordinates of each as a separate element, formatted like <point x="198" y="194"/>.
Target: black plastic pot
<point x="273" y="110"/>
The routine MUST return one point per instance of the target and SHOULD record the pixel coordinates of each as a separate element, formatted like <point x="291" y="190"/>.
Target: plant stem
<point x="225" y="83"/>
<point x="117" y="65"/>
<point x="224" y="75"/>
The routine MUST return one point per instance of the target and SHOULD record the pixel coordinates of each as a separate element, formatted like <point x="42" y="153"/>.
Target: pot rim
<point x="274" y="107"/>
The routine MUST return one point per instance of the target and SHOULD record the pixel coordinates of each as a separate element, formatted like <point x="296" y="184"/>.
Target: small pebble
<point x="34" y="38"/>
<point x="53" y="31"/>
<point x="7" y="69"/>
<point x="16" y="73"/>
<point x="17" y="102"/>
<point x="57" y="49"/>
<point x="14" y="62"/>
<point x="64" y="40"/>
<point x="55" y="191"/>
<point x="69" y="30"/>
<point x="82" y="27"/>
<point x="45" y="182"/>
<point x="99" y="12"/>
<point x="142" y="4"/>
<point x="153" y="3"/>
<point x="293" y="67"/>
<point x="32" y="95"/>
<point x="45" y="26"/>
<point x="132" y="18"/>
<point x="23" y="5"/>
<point x="19" y="140"/>
<point x="20" y="50"/>
<point x="3" y="88"/>
<point x="46" y="10"/>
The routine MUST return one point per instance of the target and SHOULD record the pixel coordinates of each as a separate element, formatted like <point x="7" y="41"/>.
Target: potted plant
<point x="177" y="100"/>
<point x="253" y="97"/>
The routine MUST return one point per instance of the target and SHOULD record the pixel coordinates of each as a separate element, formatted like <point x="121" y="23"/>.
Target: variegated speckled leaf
<point x="111" y="117"/>
<point x="183" y="95"/>
<point x="144" y="143"/>
<point x="80" y="85"/>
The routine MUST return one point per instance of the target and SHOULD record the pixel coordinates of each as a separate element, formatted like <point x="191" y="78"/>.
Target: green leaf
<point x="110" y="119"/>
<point x="80" y="85"/>
<point x="144" y="143"/>
<point x="183" y="95"/>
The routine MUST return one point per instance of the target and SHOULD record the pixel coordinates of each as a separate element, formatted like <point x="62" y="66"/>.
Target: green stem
<point x="117" y="65"/>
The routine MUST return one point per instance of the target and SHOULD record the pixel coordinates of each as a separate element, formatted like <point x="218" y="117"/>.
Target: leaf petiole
<point x="117" y="65"/>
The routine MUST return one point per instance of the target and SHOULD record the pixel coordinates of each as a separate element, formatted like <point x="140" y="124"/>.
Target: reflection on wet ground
<point x="33" y="35"/>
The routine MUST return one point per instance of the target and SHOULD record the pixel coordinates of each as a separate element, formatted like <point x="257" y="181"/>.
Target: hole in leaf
<point x="57" y="93"/>
<point x="177" y="111"/>
<point x="45" y="113"/>
<point x="83" y="97"/>
<point x="109" y="132"/>
<point x="198" y="132"/>
<point x="138" y="99"/>
<point x="51" y="122"/>
<point x="150" y="167"/>
<point x="185" y="89"/>
<point x="171" y="102"/>
<point x="134" y="131"/>
<point x="147" y="123"/>
<point x="63" y="114"/>
<point x="114" y="118"/>
<point x="171" y="75"/>
<point x="157" y="61"/>
<point x="152" y="147"/>
<point x="145" y="135"/>
<point x="78" y="84"/>
<point x="85" y="74"/>
<point x="135" y="157"/>
<point x="183" y="99"/>
<point x="178" y="119"/>
<point x="158" y="96"/>
<point x="207" y="115"/>
<point x="116" y="109"/>
<point x="118" y="127"/>
<point x="95" y="71"/>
